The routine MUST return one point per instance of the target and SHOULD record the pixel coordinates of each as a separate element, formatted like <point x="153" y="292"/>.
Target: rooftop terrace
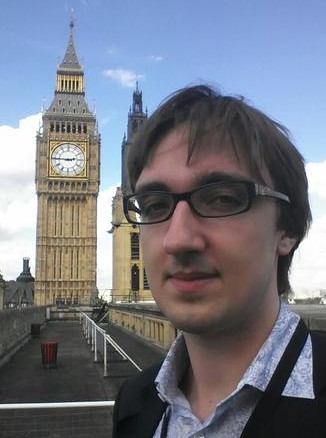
<point x="76" y="378"/>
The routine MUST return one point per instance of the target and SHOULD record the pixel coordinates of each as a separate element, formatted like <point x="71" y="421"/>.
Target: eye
<point x="221" y="198"/>
<point x="153" y="206"/>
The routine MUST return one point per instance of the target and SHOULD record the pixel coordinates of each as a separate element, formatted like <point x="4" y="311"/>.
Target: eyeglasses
<point x="220" y="199"/>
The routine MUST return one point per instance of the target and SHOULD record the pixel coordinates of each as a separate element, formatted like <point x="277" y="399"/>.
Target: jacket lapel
<point x="139" y="409"/>
<point x="318" y="341"/>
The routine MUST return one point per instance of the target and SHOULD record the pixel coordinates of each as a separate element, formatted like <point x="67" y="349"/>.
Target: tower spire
<point x="70" y="60"/>
<point x="72" y="20"/>
<point x="136" y="117"/>
<point x="70" y="90"/>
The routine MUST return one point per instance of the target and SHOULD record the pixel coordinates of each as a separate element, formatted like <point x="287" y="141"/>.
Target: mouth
<point x="192" y="281"/>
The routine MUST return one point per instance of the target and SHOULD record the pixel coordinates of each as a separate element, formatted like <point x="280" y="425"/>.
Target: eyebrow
<point x="219" y="176"/>
<point x="152" y="186"/>
<point x="201" y="180"/>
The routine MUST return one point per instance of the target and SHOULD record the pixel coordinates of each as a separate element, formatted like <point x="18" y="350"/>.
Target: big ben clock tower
<point x="67" y="185"/>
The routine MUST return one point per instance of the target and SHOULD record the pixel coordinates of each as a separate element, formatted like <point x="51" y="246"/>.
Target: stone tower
<point x="136" y="117"/>
<point x="129" y="282"/>
<point x="67" y="186"/>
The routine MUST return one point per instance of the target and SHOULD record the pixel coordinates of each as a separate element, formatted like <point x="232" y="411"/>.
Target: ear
<point x="285" y="244"/>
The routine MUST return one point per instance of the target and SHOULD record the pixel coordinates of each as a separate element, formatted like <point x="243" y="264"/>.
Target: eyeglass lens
<point x="214" y="200"/>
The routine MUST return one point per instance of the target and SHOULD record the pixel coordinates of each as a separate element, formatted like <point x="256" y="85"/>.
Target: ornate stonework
<point x="67" y="186"/>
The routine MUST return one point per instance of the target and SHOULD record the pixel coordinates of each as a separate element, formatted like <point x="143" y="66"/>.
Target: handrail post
<point x="95" y="345"/>
<point x="93" y="335"/>
<point x="85" y="326"/>
<point x="89" y="334"/>
<point x="105" y="371"/>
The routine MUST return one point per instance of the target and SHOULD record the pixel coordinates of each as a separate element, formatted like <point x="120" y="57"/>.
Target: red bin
<point x="49" y="354"/>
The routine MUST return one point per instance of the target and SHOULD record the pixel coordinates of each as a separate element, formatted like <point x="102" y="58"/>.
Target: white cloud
<point x="112" y="50"/>
<point x="18" y="150"/>
<point x="17" y="195"/>
<point x="104" y="240"/>
<point x="126" y="78"/>
<point x="156" y="58"/>
<point x="317" y="178"/>
<point x="309" y="263"/>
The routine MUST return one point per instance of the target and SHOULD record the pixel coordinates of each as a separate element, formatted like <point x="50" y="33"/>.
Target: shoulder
<point x="134" y="386"/>
<point x="318" y="337"/>
<point x="297" y="418"/>
<point x="138" y="408"/>
<point x="318" y="342"/>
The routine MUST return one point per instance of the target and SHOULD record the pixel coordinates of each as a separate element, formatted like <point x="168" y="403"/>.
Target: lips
<point x="191" y="281"/>
<point x="191" y="276"/>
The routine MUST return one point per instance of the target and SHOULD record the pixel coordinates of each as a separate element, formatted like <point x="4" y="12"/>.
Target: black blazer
<point x="138" y="409"/>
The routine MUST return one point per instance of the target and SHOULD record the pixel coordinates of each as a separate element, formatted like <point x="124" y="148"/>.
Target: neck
<point x="217" y="363"/>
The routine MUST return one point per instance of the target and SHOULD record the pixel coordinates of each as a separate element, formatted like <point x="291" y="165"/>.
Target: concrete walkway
<point x="75" y="378"/>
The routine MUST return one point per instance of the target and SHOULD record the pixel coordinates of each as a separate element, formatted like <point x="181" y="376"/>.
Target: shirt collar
<point x="259" y="372"/>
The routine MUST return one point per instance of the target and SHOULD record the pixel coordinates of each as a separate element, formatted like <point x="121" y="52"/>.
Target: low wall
<point x="72" y="313"/>
<point x="314" y="315"/>
<point x="145" y="320"/>
<point x="15" y="328"/>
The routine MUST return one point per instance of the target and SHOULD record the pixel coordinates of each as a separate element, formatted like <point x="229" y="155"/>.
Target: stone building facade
<point x="67" y="186"/>
<point x="129" y="281"/>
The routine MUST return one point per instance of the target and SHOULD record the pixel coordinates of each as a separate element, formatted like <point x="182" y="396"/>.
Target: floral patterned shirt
<point x="232" y="413"/>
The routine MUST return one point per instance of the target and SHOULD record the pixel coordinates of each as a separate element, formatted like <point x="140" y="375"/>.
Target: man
<point x="221" y="196"/>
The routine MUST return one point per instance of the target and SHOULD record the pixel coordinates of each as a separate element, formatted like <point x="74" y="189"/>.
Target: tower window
<point x="146" y="285"/>
<point x="135" y="278"/>
<point x="134" y="246"/>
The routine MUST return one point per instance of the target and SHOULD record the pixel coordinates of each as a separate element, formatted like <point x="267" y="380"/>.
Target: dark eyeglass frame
<point x="253" y="188"/>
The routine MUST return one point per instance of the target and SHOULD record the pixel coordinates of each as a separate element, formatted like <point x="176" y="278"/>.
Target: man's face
<point x="209" y="275"/>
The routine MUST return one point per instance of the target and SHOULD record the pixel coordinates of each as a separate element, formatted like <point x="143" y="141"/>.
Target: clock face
<point x="68" y="159"/>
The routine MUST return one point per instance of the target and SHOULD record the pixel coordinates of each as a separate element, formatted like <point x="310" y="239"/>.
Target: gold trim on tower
<point x="67" y="159"/>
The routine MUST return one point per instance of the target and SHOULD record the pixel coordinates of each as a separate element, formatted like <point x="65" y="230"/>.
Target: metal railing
<point x="99" y="340"/>
<point x="56" y="405"/>
<point x="66" y="419"/>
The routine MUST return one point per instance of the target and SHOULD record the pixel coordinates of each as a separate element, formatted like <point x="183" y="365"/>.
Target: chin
<point x="207" y="325"/>
<point x="193" y="325"/>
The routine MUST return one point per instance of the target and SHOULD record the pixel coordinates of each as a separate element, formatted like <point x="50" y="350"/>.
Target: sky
<point x="271" y="52"/>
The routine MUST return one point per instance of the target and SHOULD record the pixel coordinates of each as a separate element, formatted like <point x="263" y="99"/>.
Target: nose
<point x="185" y="231"/>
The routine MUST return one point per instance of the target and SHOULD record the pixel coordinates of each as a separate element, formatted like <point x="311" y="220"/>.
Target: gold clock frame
<point x="53" y="173"/>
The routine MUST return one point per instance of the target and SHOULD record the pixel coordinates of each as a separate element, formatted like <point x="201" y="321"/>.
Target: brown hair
<point x="256" y="138"/>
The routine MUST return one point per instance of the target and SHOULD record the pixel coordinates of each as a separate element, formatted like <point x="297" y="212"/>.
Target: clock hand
<point x="65" y="159"/>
